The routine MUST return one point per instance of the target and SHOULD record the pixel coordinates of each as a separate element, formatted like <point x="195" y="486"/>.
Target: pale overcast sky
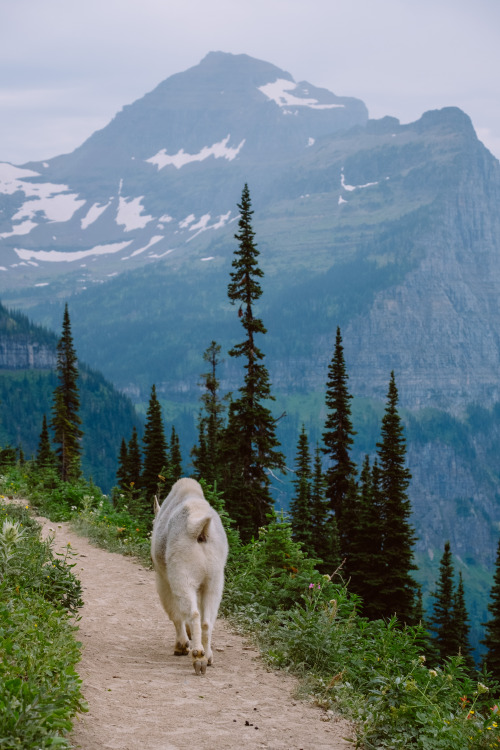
<point x="67" y="67"/>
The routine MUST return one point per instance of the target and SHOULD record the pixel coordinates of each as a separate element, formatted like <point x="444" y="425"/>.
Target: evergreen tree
<point x="325" y="532"/>
<point x="250" y="442"/>
<point x="338" y="437"/>
<point x="441" y="621"/>
<point x="301" y="505"/>
<point x="460" y="625"/>
<point x="155" y="449"/>
<point x="175" y="464"/>
<point x="492" y="627"/>
<point x="45" y="456"/>
<point x="134" y="461"/>
<point x="122" y="472"/>
<point x="399" y="587"/>
<point x="65" y="418"/>
<point x="206" y="455"/>
<point x="366" y="565"/>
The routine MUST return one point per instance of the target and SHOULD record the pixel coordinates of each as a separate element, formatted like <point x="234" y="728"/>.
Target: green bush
<point x="39" y="687"/>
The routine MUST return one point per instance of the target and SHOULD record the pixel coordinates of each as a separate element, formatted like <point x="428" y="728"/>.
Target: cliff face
<point x="25" y="354"/>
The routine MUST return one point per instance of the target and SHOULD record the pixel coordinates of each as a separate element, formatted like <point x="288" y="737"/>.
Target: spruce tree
<point x="66" y="405"/>
<point x="175" y="463"/>
<point x="460" y="625"/>
<point x="492" y="626"/>
<point x="301" y="504"/>
<point x="441" y="620"/>
<point x="155" y="449"/>
<point x="134" y="461"/>
<point x="250" y="442"/>
<point x="206" y="455"/>
<point x="338" y="437"/>
<point x="45" y="456"/>
<point x="399" y="537"/>
<point x="325" y="532"/>
<point x="122" y="472"/>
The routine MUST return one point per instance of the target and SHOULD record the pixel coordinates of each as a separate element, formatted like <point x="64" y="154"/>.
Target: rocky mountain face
<point x="390" y="231"/>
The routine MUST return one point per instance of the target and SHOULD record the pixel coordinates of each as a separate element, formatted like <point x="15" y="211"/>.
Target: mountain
<point x="28" y="361"/>
<point x="390" y="231"/>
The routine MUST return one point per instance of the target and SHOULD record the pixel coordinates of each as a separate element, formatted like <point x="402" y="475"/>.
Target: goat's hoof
<point x="181" y="649"/>
<point x="200" y="666"/>
<point x="197" y="653"/>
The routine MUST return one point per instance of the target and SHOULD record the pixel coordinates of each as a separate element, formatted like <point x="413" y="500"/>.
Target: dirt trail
<point x="142" y="697"/>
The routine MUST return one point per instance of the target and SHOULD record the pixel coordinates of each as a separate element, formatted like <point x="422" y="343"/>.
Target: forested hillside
<point x="27" y="383"/>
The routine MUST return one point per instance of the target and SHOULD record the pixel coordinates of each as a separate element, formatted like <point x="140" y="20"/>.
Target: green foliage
<point x="155" y="447"/>
<point x="39" y="687"/>
<point x="250" y="444"/>
<point x="66" y="419"/>
<point x="338" y="437"/>
<point x="492" y="627"/>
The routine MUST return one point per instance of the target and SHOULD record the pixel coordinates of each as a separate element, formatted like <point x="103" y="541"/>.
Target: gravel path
<point x="142" y="697"/>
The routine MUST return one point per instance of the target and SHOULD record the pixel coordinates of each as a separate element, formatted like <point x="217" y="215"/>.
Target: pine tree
<point x="338" y="436"/>
<point x="441" y="621"/>
<point x="206" y="455"/>
<point x="460" y="625"/>
<point x="325" y="532"/>
<point x="134" y="461"/>
<point x="155" y="449"/>
<point x="492" y="627"/>
<point x="250" y="442"/>
<point x="122" y="472"/>
<point x="65" y="418"/>
<point x="399" y="587"/>
<point x="175" y="463"/>
<point x="45" y="456"/>
<point x="366" y="565"/>
<point x="301" y="504"/>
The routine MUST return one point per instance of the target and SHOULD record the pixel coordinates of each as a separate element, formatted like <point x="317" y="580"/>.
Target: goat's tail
<point x="198" y="527"/>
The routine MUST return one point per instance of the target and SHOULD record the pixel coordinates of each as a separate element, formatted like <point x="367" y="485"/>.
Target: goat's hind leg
<point x="181" y="638"/>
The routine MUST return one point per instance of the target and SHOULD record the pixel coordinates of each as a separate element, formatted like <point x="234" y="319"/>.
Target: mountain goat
<point x="189" y="551"/>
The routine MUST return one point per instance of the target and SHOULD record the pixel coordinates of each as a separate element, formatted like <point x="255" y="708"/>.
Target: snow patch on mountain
<point x="57" y="256"/>
<point x="350" y="188"/>
<point x="140" y="250"/>
<point x="281" y="92"/>
<point x="93" y="214"/>
<point x="130" y="213"/>
<point x="219" y="150"/>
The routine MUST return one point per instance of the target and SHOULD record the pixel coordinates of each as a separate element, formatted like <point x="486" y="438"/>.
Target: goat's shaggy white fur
<point x="189" y="551"/>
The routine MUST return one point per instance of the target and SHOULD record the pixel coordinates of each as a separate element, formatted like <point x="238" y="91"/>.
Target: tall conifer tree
<point x="175" y="462"/>
<point x="338" y="436"/>
<point x="155" y="448"/>
<point x="206" y="455"/>
<point x="301" y="504"/>
<point x="250" y="444"/>
<point x="461" y="628"/>
<point x="492" y="627"/>
<point x="399" y="587"/>
<point x="66" y="405"/>
<point x="325" y="532"/>
<point x="122" y="472"/>
<point x="45" y="456"/>
<point x="441" y="620"/>
<point x="134" y="461"/>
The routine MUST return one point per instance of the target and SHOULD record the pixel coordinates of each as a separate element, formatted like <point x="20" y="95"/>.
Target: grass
<point x="374" y="673"/>
<point x="39" y="687"/>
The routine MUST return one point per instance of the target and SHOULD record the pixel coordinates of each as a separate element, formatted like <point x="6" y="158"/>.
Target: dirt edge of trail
<point x="142" y="697"/>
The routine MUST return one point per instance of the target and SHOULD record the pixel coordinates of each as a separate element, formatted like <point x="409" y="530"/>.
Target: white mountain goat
<point x="189" y="552"/>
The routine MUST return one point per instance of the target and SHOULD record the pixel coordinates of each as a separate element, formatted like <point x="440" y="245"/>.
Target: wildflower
<point x="137" y="529"/>
<point x="421" y="659"/>
<point x="311" y="585"/>
<point x="433" y="673"/>
<point x="482" y="688"/>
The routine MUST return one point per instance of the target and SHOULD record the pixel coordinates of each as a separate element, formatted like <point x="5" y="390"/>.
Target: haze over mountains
<point x="390" y="231"/>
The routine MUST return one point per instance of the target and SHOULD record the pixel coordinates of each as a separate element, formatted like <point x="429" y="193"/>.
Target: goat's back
<point x="188" y="532"/>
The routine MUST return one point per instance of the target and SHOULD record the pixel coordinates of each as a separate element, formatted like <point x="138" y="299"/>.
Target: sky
<point x="67" y="67"/>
